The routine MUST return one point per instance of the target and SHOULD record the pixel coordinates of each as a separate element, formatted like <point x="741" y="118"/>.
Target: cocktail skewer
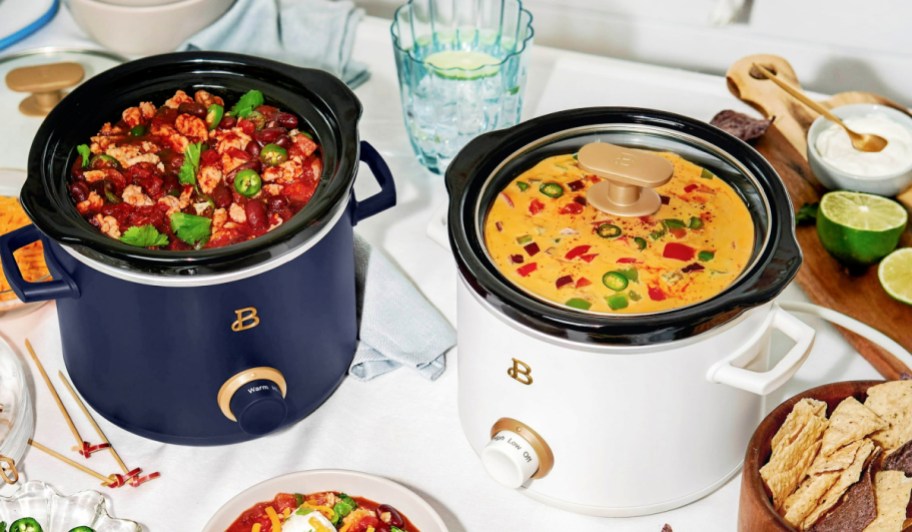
<point x="106" y="481"/>
<point x="88" y="415"/>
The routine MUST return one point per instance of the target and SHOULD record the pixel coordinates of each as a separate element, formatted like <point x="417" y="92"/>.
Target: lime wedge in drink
<point x="859" y="229"/>
<point x="895" y="275"/>
<point x="462" y="64"/>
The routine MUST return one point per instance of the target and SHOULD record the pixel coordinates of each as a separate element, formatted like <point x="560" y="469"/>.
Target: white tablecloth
<point x="398" y="426"/>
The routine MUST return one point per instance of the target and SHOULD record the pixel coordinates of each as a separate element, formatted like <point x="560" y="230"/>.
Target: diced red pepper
<point x="690" y="188"/>
<point x="577" y="251"/>
<point x="678" y="232"/>
<point x="593" y="179"/>
<point x="627" y="260"/>
<point x="506" y="197"/>
<point x="582" y="281"/>
<point x="674" y="250"/>
<point x="576" y="185"/>
<point x="531" y="248"/>
<point x="571" y="208"/>
<point x="517" y="259"/>
<point x="656" y="293"/>
<point x="499" y="226"/>
<point x="527" y="269"/>
<point x="581" y="200"/>
<point x="536" y="207"/>
<point x="695" y="267"/>
<point x="589" y="256"/>
<point x="563" y="281"/>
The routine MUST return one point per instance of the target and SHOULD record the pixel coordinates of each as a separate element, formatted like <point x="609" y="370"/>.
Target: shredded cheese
<point x="274" y="519"/>
<point x="29" y="258"/>
<point x="256" y="527"/>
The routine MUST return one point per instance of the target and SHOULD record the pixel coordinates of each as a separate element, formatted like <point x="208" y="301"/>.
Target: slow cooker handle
<point x="60" y="287"/>
<point x="382" y="200"/>
<point x="730" y="372"/>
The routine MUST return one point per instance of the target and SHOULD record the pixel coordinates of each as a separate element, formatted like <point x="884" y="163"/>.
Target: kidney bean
<point x="253" y="148"/>
<point x="170" y="184"/>
<point x="256" y="214"/>
<point x="192" y="108"/>
<point x="227" y="122"/>
<point x="269" y="135"/>
<point x="287" y="120"/>
<point x="80" y="191"/>
<point x="271" y="123"/>
<point x="276" y="203"/>
<point x="395" y="518"/>
<point x="284" y="141"/>
<point x="221" y="196"/>
<point x="267" y="110"/>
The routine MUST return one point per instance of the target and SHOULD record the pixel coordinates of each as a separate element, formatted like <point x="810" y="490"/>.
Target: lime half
<point x="895" y="275"/>
<point x="462" y="64"/>
<point x="859" y="229"/>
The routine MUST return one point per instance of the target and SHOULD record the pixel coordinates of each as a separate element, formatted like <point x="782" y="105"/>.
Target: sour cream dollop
<point x="311" y="522"/>
<point x="835" y="147"/>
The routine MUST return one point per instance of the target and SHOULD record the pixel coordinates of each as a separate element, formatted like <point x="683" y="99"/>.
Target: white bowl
<point x="836" y="179"/>
<point x="59" y="513"/>
<point x="354" y="483"/>
<point x="139" y="30"/>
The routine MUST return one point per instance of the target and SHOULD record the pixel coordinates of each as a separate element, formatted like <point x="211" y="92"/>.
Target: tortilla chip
<point x="801" y="503"/>
<point x="850" y="421"/>
<point x="892" y="401"/>
<point x="838" y="461"/>
<point x="857" y="508"/>
<point x="892" y="490"/>
<point x="847" y="478"/>
<point x="900" y="459"/>
<point x="794" y="448"/>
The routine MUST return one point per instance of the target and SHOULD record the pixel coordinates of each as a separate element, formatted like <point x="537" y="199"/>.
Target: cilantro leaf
<point x="85" y="153"/>
<point x="144" y="236"/>
<point x="807" y="214"/>
<point x="187" y="172"/>
<point x="190" y="228"/>
<point x="248" y="102"/>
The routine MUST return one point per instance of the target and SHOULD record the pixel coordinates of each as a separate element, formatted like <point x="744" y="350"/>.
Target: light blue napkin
<point x="308" y="33"/>
<point x="398" y="326"/>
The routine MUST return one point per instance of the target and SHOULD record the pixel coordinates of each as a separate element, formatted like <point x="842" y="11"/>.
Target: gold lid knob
<point x="629" y="174"/>
<point x="46" y="83"/>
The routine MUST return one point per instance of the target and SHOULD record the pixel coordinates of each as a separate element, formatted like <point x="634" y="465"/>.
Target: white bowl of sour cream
<point x="838" y="165"/>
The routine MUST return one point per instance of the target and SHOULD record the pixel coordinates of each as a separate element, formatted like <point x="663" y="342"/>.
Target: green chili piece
<point x="247" y="182"/>
<point x="104" y="161"/>
<point x="273" y="154"/>
<point x="551" y="189"/>
<point x="214" y="115"/>
<point x="674" y="223"/>
<point x="138" y="131"/>
<point x="82" y="529"/>
<point x="616" y="281"/>
<point x="706" y="174"/>
<point x="607" y="230"/>
<point x="523" y="186"/>
<point x="25" y="524"/>
<point x="640" y="242"/>
<point x="525" y="239"/>
<point x="695" y="223"/>
<point x="617" y="301"/>
<point x="579" y="303"/>
<point x="705" y="256"/>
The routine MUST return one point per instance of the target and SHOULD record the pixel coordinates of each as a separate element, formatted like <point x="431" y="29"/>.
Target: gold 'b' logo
<point x="520" y="372"/>
<point x="246" y="319"/>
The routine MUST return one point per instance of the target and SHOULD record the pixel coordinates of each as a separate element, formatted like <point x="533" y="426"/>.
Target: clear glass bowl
<point x="60" y="513"/>
<point x="17" y="418"/>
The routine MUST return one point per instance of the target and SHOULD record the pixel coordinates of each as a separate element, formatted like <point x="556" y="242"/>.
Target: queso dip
<point x="546" y="239"/>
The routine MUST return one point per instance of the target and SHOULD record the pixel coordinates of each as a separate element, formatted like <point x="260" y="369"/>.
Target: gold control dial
<point x="538" y="444"/>
<point x="226" y="392"/>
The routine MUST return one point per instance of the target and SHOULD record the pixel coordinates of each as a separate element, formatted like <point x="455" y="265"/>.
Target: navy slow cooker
<point x="210" y="346"/>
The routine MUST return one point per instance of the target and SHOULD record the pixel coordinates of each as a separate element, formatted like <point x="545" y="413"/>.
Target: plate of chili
<point x="345" y="500"/>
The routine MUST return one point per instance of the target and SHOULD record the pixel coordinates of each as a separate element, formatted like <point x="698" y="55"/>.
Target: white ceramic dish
<point x="836" y="179"/>
<point x="355" y="483"/>
<point x="60" y="513"/>
<point x="10" y="184"/>
<point x="139" y="30"/>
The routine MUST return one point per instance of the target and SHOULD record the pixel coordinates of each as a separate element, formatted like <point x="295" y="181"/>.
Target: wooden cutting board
<point x="823" y="279"/>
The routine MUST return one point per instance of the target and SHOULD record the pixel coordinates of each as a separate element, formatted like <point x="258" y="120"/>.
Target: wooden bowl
<point x="755" y="512"/>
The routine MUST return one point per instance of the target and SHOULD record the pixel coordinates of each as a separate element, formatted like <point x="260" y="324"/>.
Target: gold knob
<point x="538" y="444"/>
<point x="235" y="383"/>
<point x="629" y="177"/>
<point x="46" y="83"/>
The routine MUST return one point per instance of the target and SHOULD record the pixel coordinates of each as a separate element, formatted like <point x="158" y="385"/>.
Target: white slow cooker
<point x="617" y="415"/>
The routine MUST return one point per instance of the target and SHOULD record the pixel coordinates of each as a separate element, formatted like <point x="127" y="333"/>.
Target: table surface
<point x="399" y="426"/>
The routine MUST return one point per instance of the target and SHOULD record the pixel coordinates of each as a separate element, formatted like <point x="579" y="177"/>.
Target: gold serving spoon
<point x="861" y="141"/>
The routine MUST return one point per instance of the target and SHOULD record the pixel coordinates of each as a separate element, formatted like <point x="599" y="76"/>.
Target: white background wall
<point x="833" y="45"/>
